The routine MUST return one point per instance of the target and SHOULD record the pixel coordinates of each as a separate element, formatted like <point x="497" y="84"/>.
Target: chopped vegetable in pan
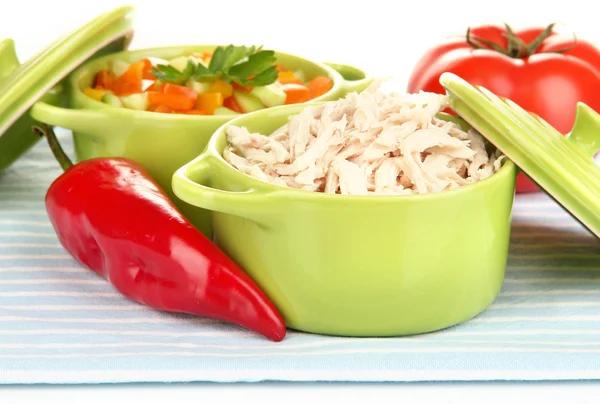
<point x="230" y="80"/>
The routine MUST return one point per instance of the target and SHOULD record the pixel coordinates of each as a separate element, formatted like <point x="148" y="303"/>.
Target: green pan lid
<point x="21" y="85"/>
<point x="563" y="166"/>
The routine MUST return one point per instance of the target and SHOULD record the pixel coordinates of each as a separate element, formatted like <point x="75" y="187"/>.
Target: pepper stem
<point x="60" y="155"/>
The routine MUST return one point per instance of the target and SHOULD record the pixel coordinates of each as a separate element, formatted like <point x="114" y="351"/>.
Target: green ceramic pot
<point x="161" y="142"/>
<point x="356" y="265"/>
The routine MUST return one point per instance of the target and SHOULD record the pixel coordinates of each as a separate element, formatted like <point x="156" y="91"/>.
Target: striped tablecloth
<point x="60" y="323"/>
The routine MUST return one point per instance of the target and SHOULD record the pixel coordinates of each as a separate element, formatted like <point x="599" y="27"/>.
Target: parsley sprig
<point x="246" y="66"/>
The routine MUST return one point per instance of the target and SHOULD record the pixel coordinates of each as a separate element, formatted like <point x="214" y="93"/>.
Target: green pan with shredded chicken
<point x="373" y="142"/>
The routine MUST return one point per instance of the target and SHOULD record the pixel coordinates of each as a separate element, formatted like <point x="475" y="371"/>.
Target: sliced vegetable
<point x="121" y="88"/>
<point x="287" y="77"/>
<point x="300" y="74"/>
<point x="95" y="93"/>
<point x="271" y="95"/>
<point x="198" y="86"/>
<point x="147" y="70"/>
<point x="179" y="90"/>
<point x="111" y="99"/>
<point x="295" y="93"/>
<point x="138" y="101"/>
<point x="175" y="101"/>
<point x="228" y="80"/>
<point x="225" y="111"/>
<point x="104" y="79"/>
<point x="118" y="67"/>
<point x="134" y="75"/>
<point x="247" y="102"/>
<point x="180" y="63"/>
<point x="129" y="82"/>
<point x="114" y="219"/>
<point x="233" y="105"/>
<point x="209" y="102"/>
<point x="220" y="86"/>
<point x="319" y="86"/>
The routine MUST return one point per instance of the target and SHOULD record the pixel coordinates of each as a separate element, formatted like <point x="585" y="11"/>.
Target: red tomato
<point x="549" y="81"/>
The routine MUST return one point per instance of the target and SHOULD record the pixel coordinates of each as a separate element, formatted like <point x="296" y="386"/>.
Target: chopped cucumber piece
<point x="117" y="67"/>
<point x="247" y="102"/>
<point x="224" y="111"/>
<point x="179" y="63"/>
<point x="300" y="74"/>
<point x="111" y="99"/>
<point x="198" y="86"/>
<point x="271" y="95"/>
<point x="136" y="101"/>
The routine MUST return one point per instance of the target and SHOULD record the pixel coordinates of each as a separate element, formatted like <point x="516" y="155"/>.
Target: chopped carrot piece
<point x="319" y="86"/>
<point x="287" y="77"/>
<point x="134" y="74"/>
<point x="129" y="82"/>
<point x="95" y="93"/>
<point x="179" y="90"/>
<point x="295" y="93"/>
<point x="220" y="86"/>
<point x="104" y="79"/>
<point x="147" y="70"/>
<point x="279" y="68"/>
<point x="232" y="104"/>
<point x="174" y="101"/>
<point x="121" y="88"/>
<point x="209" y="102"/>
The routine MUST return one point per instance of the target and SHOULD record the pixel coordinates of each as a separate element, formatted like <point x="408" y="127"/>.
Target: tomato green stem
<point x="516" y="47"/>
<point x="57" y="150"/>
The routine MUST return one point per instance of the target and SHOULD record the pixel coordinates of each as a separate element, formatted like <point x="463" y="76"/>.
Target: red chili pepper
<point x="114" y="219"/>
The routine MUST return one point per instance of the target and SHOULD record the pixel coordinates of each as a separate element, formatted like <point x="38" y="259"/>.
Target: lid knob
<point x="8" y="58"/>
<point x="586" y="129"/>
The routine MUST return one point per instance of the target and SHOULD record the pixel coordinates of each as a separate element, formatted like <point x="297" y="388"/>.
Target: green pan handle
<point x="93" y="122"/>
<point x="586" y="129"/>
<point x="354" y="79"/>
<point x="191" y="184"/>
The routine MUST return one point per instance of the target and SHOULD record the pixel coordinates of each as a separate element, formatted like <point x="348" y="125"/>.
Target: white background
<point x="386" y="38"/>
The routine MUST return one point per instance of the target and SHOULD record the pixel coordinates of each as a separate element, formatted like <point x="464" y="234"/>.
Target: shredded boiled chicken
<point x="367" y="143"/>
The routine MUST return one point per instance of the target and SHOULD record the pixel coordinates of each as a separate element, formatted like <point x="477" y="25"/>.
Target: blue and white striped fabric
<point x="60" y="323"/>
